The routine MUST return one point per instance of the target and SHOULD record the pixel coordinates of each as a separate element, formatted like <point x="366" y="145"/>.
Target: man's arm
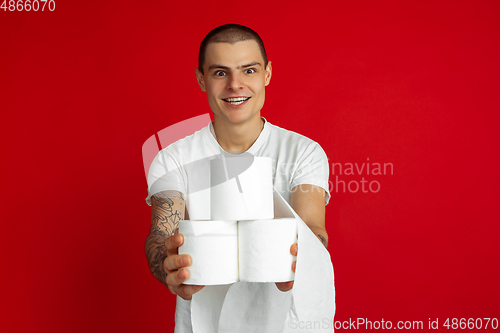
<point x="162" y="244"/>
<point x="308" y="201"/>
<point x="167" y="209"/>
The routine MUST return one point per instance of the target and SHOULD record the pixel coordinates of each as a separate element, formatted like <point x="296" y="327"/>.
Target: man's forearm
<point x="167" y="209"/>
<point x="321" y="234"/>
<point x="156" y="253"/>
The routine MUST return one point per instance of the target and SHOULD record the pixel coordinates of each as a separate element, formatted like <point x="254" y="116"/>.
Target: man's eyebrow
<point x="251" y="64"/>
<point x="227" y="68"/>
<point x="217" y="66"/>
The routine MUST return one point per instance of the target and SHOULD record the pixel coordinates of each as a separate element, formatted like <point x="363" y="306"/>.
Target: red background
<point x="415" y="84"/>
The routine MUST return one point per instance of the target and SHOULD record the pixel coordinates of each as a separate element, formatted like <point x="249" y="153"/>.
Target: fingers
<point x="186" y="291"/>
<point x="175" y="262"/>
<point x="173" y="242"/>
<point x="284" y="286"/>
<point x="176" y="278"/>
<point x="190" y="290"/>
<point x="174" y="267"/>
<point x="294" y="249"/>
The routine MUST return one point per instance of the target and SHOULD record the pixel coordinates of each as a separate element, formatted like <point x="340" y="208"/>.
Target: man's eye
<point x="250" y="71"/>
<point x="220" y="73"/>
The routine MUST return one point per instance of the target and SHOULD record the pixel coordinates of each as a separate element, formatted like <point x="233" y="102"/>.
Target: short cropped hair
<point x="229" y="33"/>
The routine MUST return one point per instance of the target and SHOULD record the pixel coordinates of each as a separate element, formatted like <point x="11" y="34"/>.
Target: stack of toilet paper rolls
<point x="242" y="241"/>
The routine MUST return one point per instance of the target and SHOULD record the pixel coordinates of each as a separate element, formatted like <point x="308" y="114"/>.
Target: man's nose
<point x="235" y="82"/>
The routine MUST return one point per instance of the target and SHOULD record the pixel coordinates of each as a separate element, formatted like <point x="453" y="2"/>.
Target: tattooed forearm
<point x="156" y="253"/>
<point x="167" y="208"/>
<point x="323" y="240"/>
<point x="164" y="214"/>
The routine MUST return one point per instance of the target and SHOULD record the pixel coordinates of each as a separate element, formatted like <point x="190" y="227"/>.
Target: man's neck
<point x="237" y="138"/>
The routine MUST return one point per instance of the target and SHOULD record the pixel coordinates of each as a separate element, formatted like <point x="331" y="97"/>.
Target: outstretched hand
<point x="286" y="286"/>
<point x="174" y="265"/>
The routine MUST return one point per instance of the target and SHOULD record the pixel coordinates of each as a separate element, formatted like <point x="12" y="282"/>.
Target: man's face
<point x="234" y="80"/>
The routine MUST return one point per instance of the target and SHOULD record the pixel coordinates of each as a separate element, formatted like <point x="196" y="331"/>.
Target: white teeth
<point x="236" y="100"/>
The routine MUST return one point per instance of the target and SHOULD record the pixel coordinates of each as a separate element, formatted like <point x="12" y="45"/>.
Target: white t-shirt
<point x="184" y="166"/>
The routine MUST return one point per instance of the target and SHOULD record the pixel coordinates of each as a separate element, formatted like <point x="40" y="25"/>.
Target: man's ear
<point x="200" y="80"/>
<point x="269" y="73"/>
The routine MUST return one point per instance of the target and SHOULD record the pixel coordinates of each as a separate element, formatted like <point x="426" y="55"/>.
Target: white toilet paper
<point x="264" y="250"/>
<point x="244" y="303"/>
<point x="212" y="246"/>
<point x="224" y="252"/>
<point x="241" y="196"/>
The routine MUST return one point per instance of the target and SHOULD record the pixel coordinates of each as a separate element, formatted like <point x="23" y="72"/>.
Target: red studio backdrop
<point x="411" y="86"/>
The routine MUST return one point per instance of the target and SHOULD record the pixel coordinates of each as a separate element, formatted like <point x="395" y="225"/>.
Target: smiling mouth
<point x="236" y="100"/>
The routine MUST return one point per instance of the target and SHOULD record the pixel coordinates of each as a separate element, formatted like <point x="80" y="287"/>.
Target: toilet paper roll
<point x="313" y="299"/>
<point x="264" y="250"/>
<point x="225" y="252"/>
<point x="213" y="247"/>
<point x="241" y="196"/>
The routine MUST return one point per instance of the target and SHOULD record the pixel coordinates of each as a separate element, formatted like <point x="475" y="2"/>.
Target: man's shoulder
<point x="194" y="147"/>
<point x="289" y="137"/>
<point x="188" y="142"/>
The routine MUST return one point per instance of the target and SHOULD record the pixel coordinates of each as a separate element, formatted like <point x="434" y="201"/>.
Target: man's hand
<point x="286" y="286"/>
<point x="174" y="266"/>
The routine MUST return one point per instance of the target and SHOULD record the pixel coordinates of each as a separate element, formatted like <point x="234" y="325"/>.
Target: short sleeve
<point x="312" y="168"/>
<point x="165" y="175"/>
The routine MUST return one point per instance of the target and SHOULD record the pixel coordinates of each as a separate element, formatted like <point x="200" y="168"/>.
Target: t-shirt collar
<point x="256" y="145"/>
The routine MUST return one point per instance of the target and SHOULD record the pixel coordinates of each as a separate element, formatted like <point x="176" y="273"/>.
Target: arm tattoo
<point x="323" y="240"/>
<point x="156" y="253"/>
<point x="165" y="216"/>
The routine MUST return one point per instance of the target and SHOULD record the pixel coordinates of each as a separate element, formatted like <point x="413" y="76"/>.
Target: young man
<point x="233" y="70"/>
